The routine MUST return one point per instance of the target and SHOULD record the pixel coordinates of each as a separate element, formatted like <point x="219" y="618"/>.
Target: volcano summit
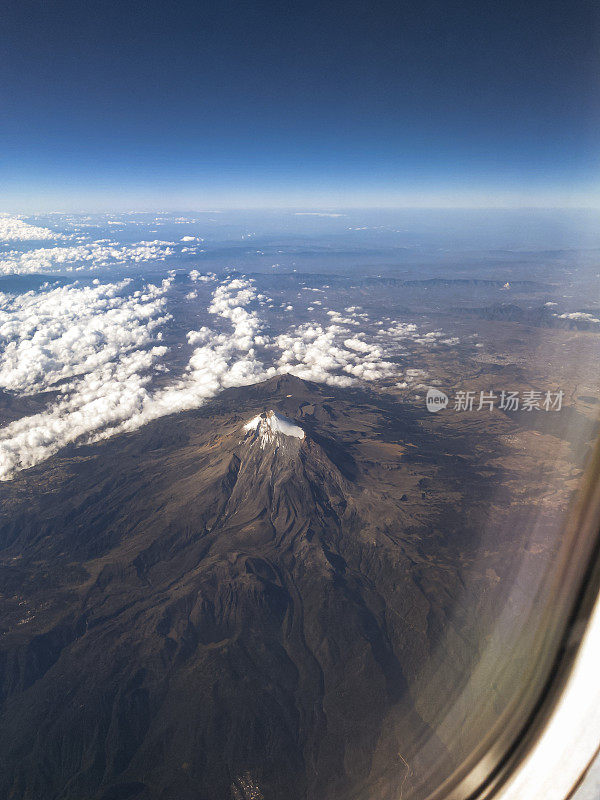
<point x="270" y="426"/>
<point x="234" y="603"/>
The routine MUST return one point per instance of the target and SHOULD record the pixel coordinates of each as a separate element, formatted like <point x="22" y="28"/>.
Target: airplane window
<point x="299" y="400"/>
<point x="590" y="788"/>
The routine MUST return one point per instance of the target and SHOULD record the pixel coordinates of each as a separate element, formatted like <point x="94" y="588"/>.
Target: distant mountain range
<point x="539" y="316"/>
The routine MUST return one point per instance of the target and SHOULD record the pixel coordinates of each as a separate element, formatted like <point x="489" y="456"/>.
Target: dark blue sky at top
<point x="195" y="105"/>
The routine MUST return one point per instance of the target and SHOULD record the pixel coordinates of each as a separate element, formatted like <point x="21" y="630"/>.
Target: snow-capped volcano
<point x="269" y="425"/>
<point x="252" y="574"/>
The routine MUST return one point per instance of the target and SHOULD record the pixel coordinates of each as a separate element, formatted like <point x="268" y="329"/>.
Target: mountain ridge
<point x="225" y="620"/>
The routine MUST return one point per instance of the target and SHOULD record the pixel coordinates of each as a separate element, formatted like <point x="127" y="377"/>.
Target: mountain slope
<point x="232" y="603"/>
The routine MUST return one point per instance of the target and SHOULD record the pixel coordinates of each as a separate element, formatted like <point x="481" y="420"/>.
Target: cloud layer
<point x="101" y="350"/>
<point x="14" y="229"/>
<point x="83" y="257"/>
<point x="62" y="332"/>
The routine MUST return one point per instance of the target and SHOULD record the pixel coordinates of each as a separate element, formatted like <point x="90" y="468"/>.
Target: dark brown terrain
<point x="193" y="612"/>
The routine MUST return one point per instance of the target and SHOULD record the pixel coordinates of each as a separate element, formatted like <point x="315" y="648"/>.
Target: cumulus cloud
<point x="94" y="346"/>
<point x="15" y="229"/>
<point x="107" y="395"/>
<point x="200" y="277"/>
<point x="402" y="330"/>
<point x="61" y="332"/>
<point x="358" y="345"/>
<point x="326" y="354"/>
<point x="91" y="256"/>
<point x="99" y="348"/>
<point x="580" y="316"/>
<point x="115" y="393"/>
<point x="219" y="360"/>
<point x="229" y="302"/>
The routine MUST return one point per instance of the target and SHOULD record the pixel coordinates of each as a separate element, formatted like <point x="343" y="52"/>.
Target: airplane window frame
<point x="568" y="644"/>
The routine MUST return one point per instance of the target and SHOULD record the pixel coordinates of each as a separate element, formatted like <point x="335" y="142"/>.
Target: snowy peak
<point x="269" y="426"/>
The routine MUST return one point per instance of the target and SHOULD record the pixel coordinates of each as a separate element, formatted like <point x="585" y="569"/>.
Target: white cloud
<point x="99" y="348"/>
<point x="114" y="394"/>
<point x="14" y="229"/>
<point x="219" y="360"/>
<point x="316" y="214"/>
<point x="402" y="330"/>
<point x="202" y="278"/>
<point x="59" y="333"/>
<point x="229" y="302"/>
<point x="94" y="255"/>
<point x="314" y="352"/>
<point x="358" y="345"/>
<point x="107" y="395"/>
<point x="581" y="316"/>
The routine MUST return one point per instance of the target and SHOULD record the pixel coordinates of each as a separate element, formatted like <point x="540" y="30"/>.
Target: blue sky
<point x="193" y="105"/>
